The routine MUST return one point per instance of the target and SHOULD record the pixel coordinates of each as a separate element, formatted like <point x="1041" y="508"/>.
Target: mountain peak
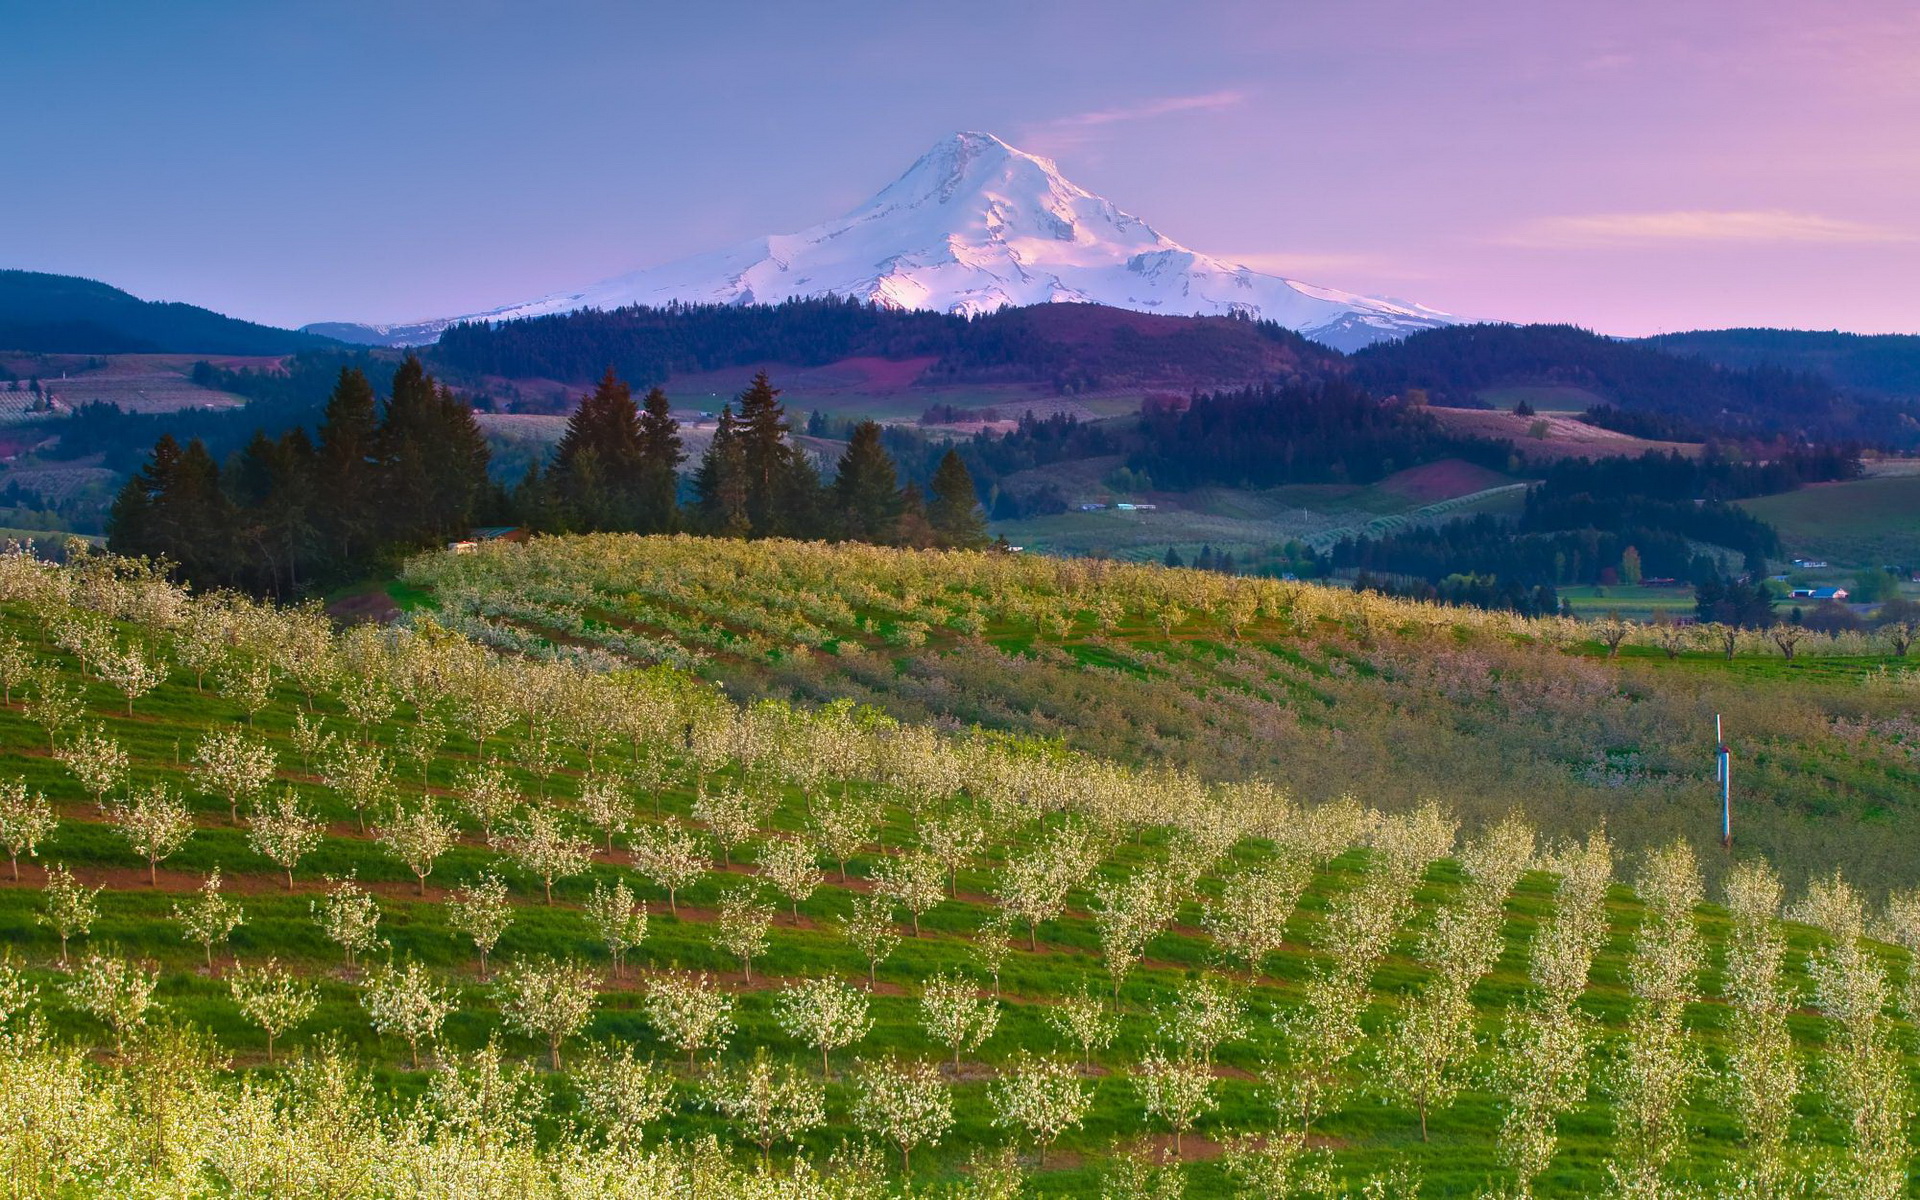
<point x="977" y="224"/>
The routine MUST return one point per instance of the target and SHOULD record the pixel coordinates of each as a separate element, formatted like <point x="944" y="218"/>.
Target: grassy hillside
<point x="1320" y="688"/>
<point x="1868" y="522"/>
<point x="1348" y="963"/>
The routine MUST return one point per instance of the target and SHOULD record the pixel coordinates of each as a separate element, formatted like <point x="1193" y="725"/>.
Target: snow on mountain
<point x="976" y="224"/>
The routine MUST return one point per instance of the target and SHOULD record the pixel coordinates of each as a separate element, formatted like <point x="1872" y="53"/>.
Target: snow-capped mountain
<point x="976" y="224"/>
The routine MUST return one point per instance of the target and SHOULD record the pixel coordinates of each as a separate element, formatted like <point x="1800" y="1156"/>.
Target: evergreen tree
<point x="766" y="456"/>
<point x="866" y="489"/>
<point x="432" y="460"/>
<point x="1173" y="558"/>
<point x="954" y="511"/>
<point x="720" y="483"/>
<point x="347" y="470"/>
<point x="173" y="507"/>
<point x="913" y="529"/>
<point x="597" y="466"/>
<point x="657" y="489"/>
<point x="272" y="484"/>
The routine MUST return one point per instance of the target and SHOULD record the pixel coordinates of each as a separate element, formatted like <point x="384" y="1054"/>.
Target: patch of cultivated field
<point x="1549" y="436"/>
<point x="1860" y="522"/>
<point x="1542" y="398"/>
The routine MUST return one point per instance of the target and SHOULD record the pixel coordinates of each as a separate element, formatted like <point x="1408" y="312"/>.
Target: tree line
<point x="286" y="513"/>
<point x="375" y="481"/>
<point x="617" y="470"/>
<point x="1319" y="432"/>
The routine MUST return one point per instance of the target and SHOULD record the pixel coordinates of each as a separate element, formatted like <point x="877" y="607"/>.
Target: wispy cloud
<point x="1162" y="107"/>
<point x="1701" y="227"/>
<point x="1077" y="129"/>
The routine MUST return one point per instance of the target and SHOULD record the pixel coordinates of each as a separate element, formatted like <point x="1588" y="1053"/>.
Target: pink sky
<point x="1629" y="166"/>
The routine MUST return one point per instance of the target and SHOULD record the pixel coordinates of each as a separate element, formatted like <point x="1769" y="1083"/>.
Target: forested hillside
<point x="1886" y="364"/>
<point x="1069" y="346"/>
<point x="1696" y="399"/>
<point x="61" y="314"/>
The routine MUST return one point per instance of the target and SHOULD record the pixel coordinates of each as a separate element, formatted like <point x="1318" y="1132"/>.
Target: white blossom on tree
<point x="209" y="917"/>
<point x="1176" y="1090"/>
<point x="350" y="917"/>
<point x="690" y="1011"/>
<point x="1082" y="1019"/>
<point x="72" y="907"/>
<point x="906" y="1103"/>
<point x="52" y="704"/>
<point x="248" y="681"/>
<point x="991" y="945"/>
<point x="868" y="927"/>
<point x="115" y="992"/>
<point x="1043" y="1096"/>
<point x="673" y="858"/>
<point x="826" y="1014"/>
<point x="1129" y="913"/>
<point x="310" y="738"/>
<point x="1033" y="888"/>
<point x="283" y="831"/>
<point x="956" y="1015"/>
<point x="482" y="911"/>
<point x="767" y="1103"/>
<point x="843" y="826"/>
<point x="361" y="776"/>
<point x="545" y="846"/>
<point x="732" y="815"/>
<point x="741" y="926"/>
<point x="1206" y="1013"/>
<point x="954" y="838"/>
<point x="914" y="880"/>
<point x="487" y="794"/>
<point x="421" y="742"/>
<point x="547" y="999"/>
<point x="271" y="997"/>
<point x="793" y="868"/>
<point x="618" y="918"/>
<point x="621" y="1092"/>
<point x="1249" y="921"/>
<point x="98" y="762"/>
<point x="155" y="824"/>
<point x="408" y="1003"/>
<point x="418" y="835"/>
<point x="26" y="819"/>
<point x="129" y="671"/>
<point x="606" y="801"/>
<point x="1321" y="1035"/>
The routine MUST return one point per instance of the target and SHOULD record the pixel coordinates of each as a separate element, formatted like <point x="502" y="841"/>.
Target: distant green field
<point x="1865" y="522"/>
<point x="1245" y="520"/>
<point x="1635" y="602"/>
<point x="1543" y="399"/>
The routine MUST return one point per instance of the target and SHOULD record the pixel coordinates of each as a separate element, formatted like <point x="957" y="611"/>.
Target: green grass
<point x="1633" y="602"/>
<point x="1316" y="679"/>
<point x="1548" y="398"/>
<point x="1861" y="523"/>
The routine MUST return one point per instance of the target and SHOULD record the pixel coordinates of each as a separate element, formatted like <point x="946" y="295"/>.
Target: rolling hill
<point x="64" y="314"/>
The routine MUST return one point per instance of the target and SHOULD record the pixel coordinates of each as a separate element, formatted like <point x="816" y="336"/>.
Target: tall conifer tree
<point x="597" y="465"/>
<point x="720" y="483"/>
<point x="347" y="469"/>
<point x="866" y="489"/>
<point x="954" y="511"/>
<point x="766" y="456"/>
<point x="661" y="453"/>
